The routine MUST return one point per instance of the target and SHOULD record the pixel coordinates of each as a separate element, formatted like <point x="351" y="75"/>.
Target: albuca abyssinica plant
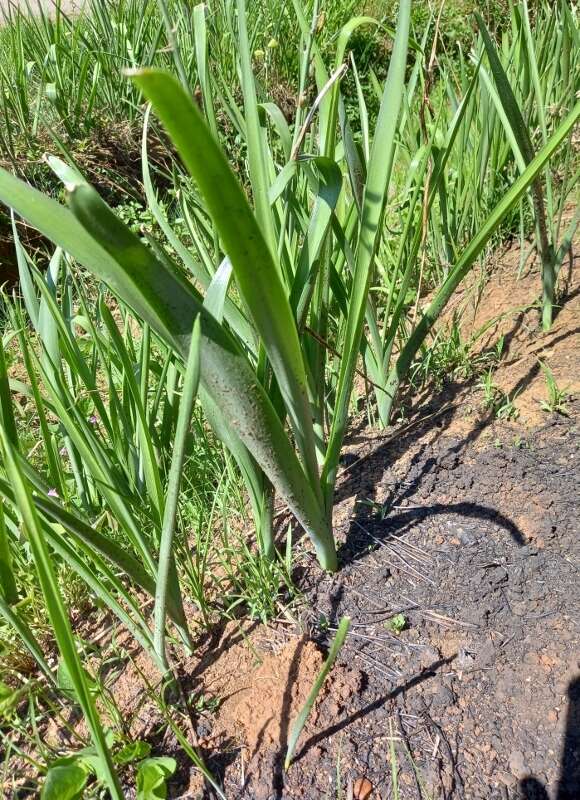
<point x="284" y="277"/>
<point x="300" y="264"/>
<point x="554" y="57"/>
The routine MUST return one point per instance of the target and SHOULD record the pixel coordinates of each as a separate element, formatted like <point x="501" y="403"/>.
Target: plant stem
<point x="166" y="565"/>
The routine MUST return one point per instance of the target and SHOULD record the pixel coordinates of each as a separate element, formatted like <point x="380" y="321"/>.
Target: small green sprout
<point x="396" y="624"/>
<point x="507" y="410"/>
<point x="556" y="402"/>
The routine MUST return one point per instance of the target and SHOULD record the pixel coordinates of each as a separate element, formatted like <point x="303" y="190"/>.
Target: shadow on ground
<point x="569" y="782"/>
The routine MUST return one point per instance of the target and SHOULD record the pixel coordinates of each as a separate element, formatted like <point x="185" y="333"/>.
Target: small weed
<point x="203" y="703"/>
<point x="447" y="358"/>
<point x="556" y="402"/>
<point x="491" y="392"/>
<point x="496" y="400"/>
<point x="323" y="623"/>
<point x="506" y="410"/>
<point x="396" y="624"/>
<point x="402" y="417"/>
<point x="378" y="510"/>
<point x="136" y="216"/>
<point x="498" y="349"/>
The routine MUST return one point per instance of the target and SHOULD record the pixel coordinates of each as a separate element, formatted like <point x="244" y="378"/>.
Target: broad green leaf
<point x="65" y="782"/>
<point x="378" y="176"/>
<point x="24" y="277"/>
<point x="169" y="304"/>
<point x="8" y="589"/>
<point x="47" y="325"/>
<point x="234" y="316"/>
<point x="6" y="408"/>
<point x="134" y="751"/>
<point x="281" y="126"/>
<point x="217" y="291"/>
<point x="252" y="261"/>
<point x="152" y="777"/>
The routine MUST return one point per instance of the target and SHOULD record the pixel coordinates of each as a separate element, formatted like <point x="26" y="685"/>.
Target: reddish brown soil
<point x="512" y="302"/>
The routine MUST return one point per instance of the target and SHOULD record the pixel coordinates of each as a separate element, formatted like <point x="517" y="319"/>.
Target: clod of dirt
<point x="268" y="698"/>
<point x="363" y="789"/>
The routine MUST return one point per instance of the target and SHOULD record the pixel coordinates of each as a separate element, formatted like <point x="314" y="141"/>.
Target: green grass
<point x="556" y="395"/>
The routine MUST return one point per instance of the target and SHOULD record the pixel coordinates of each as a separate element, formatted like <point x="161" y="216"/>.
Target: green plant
<point x="152" y="774"/>
<point x="446" y="358"/>
<point x="95" y="521"/>
<point x="505" y="408"/>
<point x="396" y="624"/>
<point x="67" y="776"/>
<point x="496" y="400"/>
<point x="556" y="402"/>
<point x="166" y="563"/>
<point x="300" y="721"/>
<point x="491" y="392"/>
<point x="57" y="612"/>
<point x="279" y="293"/>
<point x="358" y="206"/>
<point x="524" y="59"/>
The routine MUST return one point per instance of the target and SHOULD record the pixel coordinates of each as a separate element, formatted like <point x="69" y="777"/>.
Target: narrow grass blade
<point x="201" y="55"/>
<point x="49" y="449"/>
<point x="166" y="561"/>
<point x="104" y="584"/>
<point x="474" y="249"/>
<point x="524" y="144"/>
<point x="152" y="477"/>
<point x="254" y="138"/>
<point x="300" y="720"/>
<point x="86" y="537"/>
